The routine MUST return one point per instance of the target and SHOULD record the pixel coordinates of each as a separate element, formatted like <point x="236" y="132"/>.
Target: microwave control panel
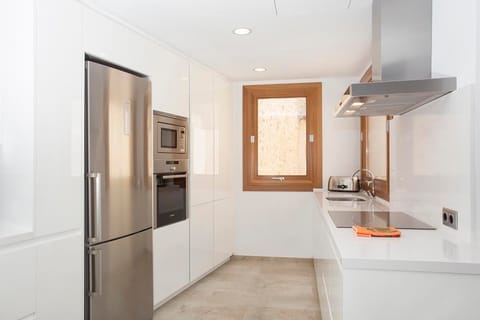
<point x="181" y="139"/>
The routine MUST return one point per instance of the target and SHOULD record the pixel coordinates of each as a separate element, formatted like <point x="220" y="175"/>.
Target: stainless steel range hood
<point x="401" y="63"/>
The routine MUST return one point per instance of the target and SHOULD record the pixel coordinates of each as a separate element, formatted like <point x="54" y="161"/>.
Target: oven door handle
<point x="174" y="176"/>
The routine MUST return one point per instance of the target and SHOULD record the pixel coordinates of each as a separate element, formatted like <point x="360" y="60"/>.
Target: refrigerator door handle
<point x="95" y="270"/>
<point x="95" y="207"/>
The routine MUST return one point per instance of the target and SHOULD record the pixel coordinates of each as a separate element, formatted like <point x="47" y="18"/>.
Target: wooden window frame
<point x="382" y="187"/>
<point x="313" y="93"/>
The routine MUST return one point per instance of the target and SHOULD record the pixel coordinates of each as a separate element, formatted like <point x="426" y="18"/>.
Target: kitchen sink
<point x="345" y="199"/>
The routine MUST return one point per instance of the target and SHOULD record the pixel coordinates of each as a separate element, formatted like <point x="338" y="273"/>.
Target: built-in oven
<point x="170" y="134"/>
<point x="170" y="198"/>
<point x="170" y="169"/>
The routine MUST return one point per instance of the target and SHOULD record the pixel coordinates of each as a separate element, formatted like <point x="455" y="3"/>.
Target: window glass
<point x="282" y="136"/>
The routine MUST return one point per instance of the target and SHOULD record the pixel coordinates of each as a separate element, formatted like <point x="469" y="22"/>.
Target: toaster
<point x="346" y="184"/>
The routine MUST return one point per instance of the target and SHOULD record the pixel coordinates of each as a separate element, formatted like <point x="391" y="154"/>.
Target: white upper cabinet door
<point x="60" y="273"/>
<point x="171" y="260"/>
<point x="17" y="289"/>
<point x="108" y="40"/>
<point x="201" y="135"/>
<point x="170" y="83"/>
<point x="224" y="229"/>
<point x="223" y="137"/>
<point x="201" y="240"/>
<point x="59" y="157"/>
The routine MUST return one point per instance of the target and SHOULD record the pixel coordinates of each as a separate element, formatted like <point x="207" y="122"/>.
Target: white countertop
<point x="415" y="250"/>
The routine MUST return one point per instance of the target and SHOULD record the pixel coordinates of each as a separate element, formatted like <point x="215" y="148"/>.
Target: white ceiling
<point x="307" y="39"/>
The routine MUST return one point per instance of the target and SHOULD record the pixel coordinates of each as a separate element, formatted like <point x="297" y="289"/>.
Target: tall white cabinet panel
<point x="59" y="117"/>
<point x="201" y="135"/>
<point x="171" y="260"/>
<point x="17" y="289"/>
<point x="170" y="83"/>
<point x="109" y="40"/>
<point x="16" y="116"/>
<point x="223" y="138"/>
<point x="224" y="230"/>
<point x="201" y="240"/>
<point x="60" y="279"/>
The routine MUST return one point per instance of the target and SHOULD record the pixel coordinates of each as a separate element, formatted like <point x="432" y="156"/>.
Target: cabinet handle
<point x="281" y="179"/>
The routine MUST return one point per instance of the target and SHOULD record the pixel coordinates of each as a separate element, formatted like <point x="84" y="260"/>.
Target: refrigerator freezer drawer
<point x="120" y="277"/>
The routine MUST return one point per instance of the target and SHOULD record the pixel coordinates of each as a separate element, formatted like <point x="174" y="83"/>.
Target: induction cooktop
<point x="399" y="220"/>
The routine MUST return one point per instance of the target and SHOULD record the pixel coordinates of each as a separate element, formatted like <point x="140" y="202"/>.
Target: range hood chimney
<point x="401" y="63"/>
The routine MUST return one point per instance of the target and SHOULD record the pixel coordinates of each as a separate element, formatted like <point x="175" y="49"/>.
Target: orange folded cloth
<point x="388" y="232"/>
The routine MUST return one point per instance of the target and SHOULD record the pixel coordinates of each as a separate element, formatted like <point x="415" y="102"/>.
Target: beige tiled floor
<point x="248" y="288"/>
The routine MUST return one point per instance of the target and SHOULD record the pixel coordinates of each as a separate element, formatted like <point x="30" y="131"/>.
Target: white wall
<point x="279" y="223"/>
<point x="476" y="119"/>
<point x="432" y="147"/>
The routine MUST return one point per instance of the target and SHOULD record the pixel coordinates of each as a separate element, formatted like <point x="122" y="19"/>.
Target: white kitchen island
<point x="421" y="275"/>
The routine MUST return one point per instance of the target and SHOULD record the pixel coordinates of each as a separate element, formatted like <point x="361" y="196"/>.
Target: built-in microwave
<point x="170" y="134"/>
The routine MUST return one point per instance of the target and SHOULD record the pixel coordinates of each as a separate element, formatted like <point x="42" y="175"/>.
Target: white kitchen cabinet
<point x="223" y="229"/>
<point x="201" y="135"/>
<point x="201" y="240"/>
<point x="17" y="278"/>
<point x="116" y="43"/>
<point x="60" y="274"/>
<point x="16" y="117"/>
<point x="211" y="223"/>
<point x="170" y="83"/>
<point x="421" y="279"/>
<point x="328" y="272"/>
<point x="223" y="138"/>
<point x="58" y="113"/>
<point x="171" y="260"/>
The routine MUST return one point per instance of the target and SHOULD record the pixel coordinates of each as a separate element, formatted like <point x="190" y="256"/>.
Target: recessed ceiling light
<point x="259" y="69"/>
<point x="242" y="31"/>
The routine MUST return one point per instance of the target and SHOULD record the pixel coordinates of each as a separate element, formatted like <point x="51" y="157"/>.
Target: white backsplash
<point x="431" y="160"/>
<point x="433" y="147"/>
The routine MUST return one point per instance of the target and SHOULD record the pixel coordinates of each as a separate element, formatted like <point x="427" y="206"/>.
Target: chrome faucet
<point x="371" y="193"/>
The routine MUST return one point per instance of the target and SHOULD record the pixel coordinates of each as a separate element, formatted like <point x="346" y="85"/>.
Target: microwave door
<point x="170" y="138"/>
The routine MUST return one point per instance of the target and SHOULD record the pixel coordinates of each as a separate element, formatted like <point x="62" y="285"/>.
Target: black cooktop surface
<point x="399" y="220"/>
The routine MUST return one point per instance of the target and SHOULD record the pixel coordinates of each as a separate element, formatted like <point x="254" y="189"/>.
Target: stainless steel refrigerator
<point x="119" y="272"/>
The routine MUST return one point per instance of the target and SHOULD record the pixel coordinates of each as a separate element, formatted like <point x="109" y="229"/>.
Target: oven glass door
<point x="171" y="199"/>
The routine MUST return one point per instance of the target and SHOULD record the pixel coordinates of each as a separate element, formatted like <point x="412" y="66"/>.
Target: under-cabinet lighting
<point x="357" y="104"/>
